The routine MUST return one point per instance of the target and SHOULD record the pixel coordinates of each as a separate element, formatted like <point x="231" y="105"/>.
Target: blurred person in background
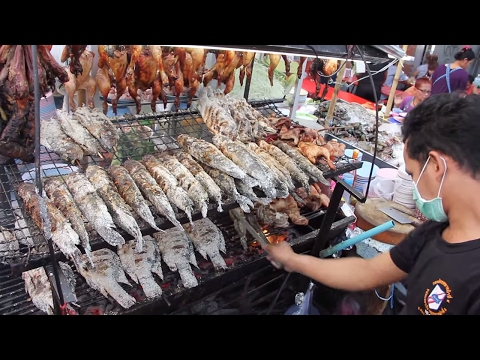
<point x="453" y="77"/>
<point x="427" y="69"/>
<point x="471" y="87"/>
<point x="364" y="87"/>
<point x="416" y="94"/>
<point x="392" y="70"/>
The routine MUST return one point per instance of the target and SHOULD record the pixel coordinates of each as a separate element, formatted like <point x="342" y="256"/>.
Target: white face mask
<point x="431" y="209"/>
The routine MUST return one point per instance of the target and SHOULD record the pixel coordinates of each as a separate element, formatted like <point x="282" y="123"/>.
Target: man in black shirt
<point x="442" y="256"/>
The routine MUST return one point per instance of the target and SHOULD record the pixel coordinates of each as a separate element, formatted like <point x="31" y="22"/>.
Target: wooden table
<point x="369" y="216"/>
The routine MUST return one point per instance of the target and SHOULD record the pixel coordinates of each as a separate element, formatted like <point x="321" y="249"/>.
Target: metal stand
<point x="249" y="80"/>
<point x="38" y="178"/>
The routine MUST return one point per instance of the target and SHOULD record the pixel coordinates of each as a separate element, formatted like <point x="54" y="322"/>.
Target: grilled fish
<point x="58" y="192"/>
<point x="169" y="184"/>
<point x="117" y="207"/>
<point x="106" y="276"/>
<point x="282" y="173"/>
<point x="209" y="241"/>
<point x="287" y="162"/>
<point x="239" y="227"/>
<point x="54" y="138"/>
<point x="302" y="162"/>
<point x="227" y="184"/>
<point x="131" y="194"/>
<point x="93" y="208"/>
<point x="61" y="232"/>
<point x="210" y="155"/>
<point x="38" y="287"/>
<point x="78" y="133"/>
<point x="187" y="181"/>
<point x="214" y="192"/>
<point x="9" y="245"/>
<point x="247" y="191"/>
<point x="99" y="125"/>
<point x="70" y="277"/>
<point x="216" y="118"/>
<point x="178" y="253"/>
<point x="140" y="266"/>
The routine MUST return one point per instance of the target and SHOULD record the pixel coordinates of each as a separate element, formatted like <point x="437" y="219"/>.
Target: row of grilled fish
<point x="83" y="132"/>
<point x="174" y="246"/>
<point x="232" y="117"/>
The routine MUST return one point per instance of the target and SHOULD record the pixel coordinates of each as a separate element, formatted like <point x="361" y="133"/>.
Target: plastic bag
<point x="382" y="188"/>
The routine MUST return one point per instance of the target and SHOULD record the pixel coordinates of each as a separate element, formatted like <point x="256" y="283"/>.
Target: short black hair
<point x="471" y="78"/>
<point x="446" y="123"/>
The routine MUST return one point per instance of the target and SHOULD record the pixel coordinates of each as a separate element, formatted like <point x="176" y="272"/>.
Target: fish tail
<point x="219" y="207"/>
<point x="186" y="274"/>
<point x="217" y="260"/>
<point x="150" y="287"/>
<point x="110" y="236"/>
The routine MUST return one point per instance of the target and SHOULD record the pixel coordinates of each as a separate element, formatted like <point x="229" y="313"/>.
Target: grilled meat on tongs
<point x="93" y="208"/>
<point x="117" y="207"/>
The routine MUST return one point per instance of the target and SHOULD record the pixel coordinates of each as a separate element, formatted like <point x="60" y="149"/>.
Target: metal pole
<point x="249" y="80"/>
<point x="38" y="177"/>
<point x="298" y="89"/>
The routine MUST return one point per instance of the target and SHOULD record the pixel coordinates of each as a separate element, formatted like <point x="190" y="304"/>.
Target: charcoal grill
<point x="165" y="128"/>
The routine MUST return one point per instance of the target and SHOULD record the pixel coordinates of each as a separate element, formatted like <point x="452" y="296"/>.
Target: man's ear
<point x="439" y="163"/>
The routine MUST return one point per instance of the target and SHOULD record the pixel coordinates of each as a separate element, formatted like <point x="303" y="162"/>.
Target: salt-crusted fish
<point x="62" y="233"/>
<point x="69" y="277"/>
<point x="208" y="240"/>
<point x="239" y="227"/>
<point x="78" y="133"/>
<point x="106" y="276"/>
<point x="210" y="155"/>
<point x="153" y="191"/>
<point x="178" y="253"/>
<point x="38" y="287"/>
<point x="58" y="192"/>
<point x="214" y="192"/>
<point x="9" y="245"/>
<point x="187" y="181"/>
<point x="54" y="138"/>
<point x="227" y="184"/>
<point x="99" y="125"/>
<point x="131" y="194"/>
<point x="282" y="173"/>
<point x="116" y="205"/>
<point x="93" y="208"/>
<point x="216" y="118"/>
<point x="303" y="163"/>
<point x="287" y="162"/>
<point x="140" y="266"/>
<point x="248" y="192"/>
<point x="169" y="184"/>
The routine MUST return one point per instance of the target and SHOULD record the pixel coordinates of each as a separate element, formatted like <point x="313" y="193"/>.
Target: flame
<point x="277" y="238"/>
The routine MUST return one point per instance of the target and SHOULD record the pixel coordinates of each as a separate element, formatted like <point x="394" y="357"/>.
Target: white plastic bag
<point x="383" y="188"/>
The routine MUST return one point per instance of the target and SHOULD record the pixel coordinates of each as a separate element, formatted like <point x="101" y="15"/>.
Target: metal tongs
<point x="258" y="235"/>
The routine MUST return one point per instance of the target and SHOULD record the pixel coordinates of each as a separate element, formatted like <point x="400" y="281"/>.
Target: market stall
<point x="109" y="214"/>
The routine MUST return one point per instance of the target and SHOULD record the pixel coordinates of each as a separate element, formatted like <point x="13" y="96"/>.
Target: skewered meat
<point x="291" y="134"/>
<point x="73" y="53"/>
<point x="274" y="61"/>
<point x="146" y="75"/>
<point x="313" y="152"/>
<point x="106" y="276"/>
<point x="9" y="245"/>
<point x="157" y="196"/>
<point x="285" y="160"/>
<point x="140" y="266"/>
<point x="54" y="138"/>
<point x="239" y="227"/>
<point x="289" y="206"/>
<point x="131" y="194"/>
<point x="335" y="148"/>
<point x="210" y="155"/>
<point x="73" y="129"/>
<point x="187" y="181"/>
<point x="300" y="66"/>
<point x="37" y="285"/>
<point x="208" y="240"/>
<point x="116" y="205"/>
<point x="55" y="225"/>
<point x="227" y="184"/>
<point x="214" y="192"/>
<point x="58" y="192"/>
<point x="287" y="66"/>
<point x="248" y="192"/>
<point x="80" y="79"/>
<point x="178" y="253"/>
<point x="267" y="215"/>
<point x="310" y="169"/>
<point x="216" y="118"/>
<point x="93" y="208"/>
<point x="315" y="200"/>
<point x="99" y="125"/>
<point x="246" y="66"/>
<point x="112" y="68"/>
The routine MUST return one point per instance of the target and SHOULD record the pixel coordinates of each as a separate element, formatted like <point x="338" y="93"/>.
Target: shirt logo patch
<point x="436" y="301"/>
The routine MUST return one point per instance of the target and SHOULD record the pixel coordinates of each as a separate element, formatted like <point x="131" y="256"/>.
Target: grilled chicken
<point x="290" y="207"/>
<point x="246" y="66"/>
<point x="274" y="61"/>
<point x="73" y="53"/>
<point x="313" y="153"/>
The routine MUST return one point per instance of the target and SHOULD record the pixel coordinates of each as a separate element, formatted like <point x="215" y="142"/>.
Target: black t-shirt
<point x="443" y="278"/>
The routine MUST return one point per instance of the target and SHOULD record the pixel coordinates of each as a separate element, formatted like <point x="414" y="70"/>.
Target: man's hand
<point x="281" y="254"/>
